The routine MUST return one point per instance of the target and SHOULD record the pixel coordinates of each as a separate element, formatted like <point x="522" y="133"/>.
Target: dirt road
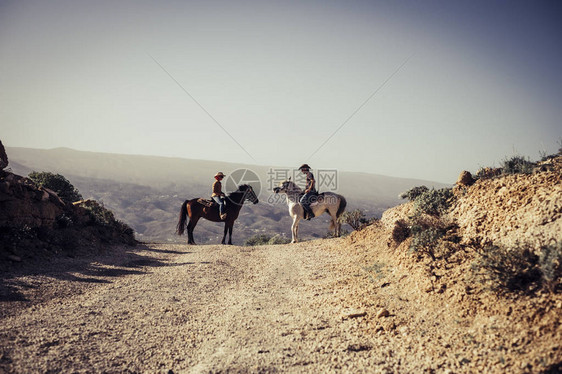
<point x="176" y="308"/>
<point x="347" y="305"/>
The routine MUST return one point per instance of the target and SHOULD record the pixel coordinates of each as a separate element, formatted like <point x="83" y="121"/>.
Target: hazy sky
<point x="482" y="81"/>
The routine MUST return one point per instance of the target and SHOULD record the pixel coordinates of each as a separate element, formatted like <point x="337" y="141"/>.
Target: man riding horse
<point x="218" y="195"/>
<point x="310" y="192"/>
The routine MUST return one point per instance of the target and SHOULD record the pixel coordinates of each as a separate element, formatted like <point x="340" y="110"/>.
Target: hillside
<point x="146" y="191"/>
<point x="491" y="300"/>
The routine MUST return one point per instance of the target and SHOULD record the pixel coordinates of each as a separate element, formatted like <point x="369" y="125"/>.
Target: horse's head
<point x="249" y="193"/>
<point x="286" y="187"/>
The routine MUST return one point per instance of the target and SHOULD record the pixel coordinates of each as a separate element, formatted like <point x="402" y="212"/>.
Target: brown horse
<point x="196" y="210"/>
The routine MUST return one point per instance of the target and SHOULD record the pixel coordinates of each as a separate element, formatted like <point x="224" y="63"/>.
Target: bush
<point x="102" y="217"/>
<point x="413" y="193"/>
<point x="264" y="239"/>
<point x="514" y="270"/>
<point x="434" y="202"/>
<point x="57" y="183"/>
<point x="278" y="239"/>
<point x="99" y="214"/>
<point x="401" y="231"/>
<point x="427" y="227"/>
<point x="550" y="262"/>
<point x="517" y="165"/>
<point x="488" y="173"/>
<point x="356" y="219"/>
<point x="427" y="233"/>
<point x="258" y="239"/>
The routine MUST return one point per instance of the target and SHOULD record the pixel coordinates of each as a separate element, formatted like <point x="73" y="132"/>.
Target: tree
<point x="356" y="219"/>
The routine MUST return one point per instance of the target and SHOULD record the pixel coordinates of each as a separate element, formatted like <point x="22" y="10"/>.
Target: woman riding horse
<point x="327" y="202"/>
<point x="309" y="192"/>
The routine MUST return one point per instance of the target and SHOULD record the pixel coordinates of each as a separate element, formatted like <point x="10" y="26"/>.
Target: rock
<point x="382" y="313"/>
<point x="353" y="313"/>
<point x="465" y="179"/>
<point x="3" y="157"/>
<point x="22" y="204"/>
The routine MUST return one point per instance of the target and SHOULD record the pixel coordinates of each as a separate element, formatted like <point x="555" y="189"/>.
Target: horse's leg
<point x="295" y="229"/>
<point x="190" y="227"/>
<point x="334" y="224"/>
<point x="225" y="232"/>
<point x="338" y="229"/>
<point x="230" y="233"/>
<point x="190" y="233"/>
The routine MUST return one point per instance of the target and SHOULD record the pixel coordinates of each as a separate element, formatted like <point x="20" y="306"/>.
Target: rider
<point x="218" y="195"/>
<point x="309" y="191"/>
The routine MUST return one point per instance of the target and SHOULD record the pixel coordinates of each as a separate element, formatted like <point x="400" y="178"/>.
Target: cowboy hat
<point x="304" y="166"/>
<point x="220" y="174"/>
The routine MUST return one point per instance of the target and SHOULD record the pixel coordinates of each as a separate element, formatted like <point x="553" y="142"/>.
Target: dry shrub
<point x="508" y="270"/>
<point x="550" y="262"/>
<point x="401" y="231"/>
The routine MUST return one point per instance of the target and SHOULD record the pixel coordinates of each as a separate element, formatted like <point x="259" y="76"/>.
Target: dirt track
<point x="185" y="309"/>
<point x="341" y="305"/>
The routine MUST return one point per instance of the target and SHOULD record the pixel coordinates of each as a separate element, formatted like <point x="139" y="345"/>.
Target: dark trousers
<point x="305" y="201"/>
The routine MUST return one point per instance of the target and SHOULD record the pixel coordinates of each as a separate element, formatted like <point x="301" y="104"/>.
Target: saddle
<point x="207" y="202"/>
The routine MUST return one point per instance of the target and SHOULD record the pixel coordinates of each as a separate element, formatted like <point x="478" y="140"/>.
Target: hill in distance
<point x="146" y="191"/>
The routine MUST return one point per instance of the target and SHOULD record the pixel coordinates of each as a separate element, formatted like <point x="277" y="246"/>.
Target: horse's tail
<point x="341" y="207"/>
<point x="180" y="229"/>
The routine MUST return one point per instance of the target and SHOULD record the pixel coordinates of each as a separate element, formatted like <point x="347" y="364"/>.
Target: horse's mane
<point x="241" y="189"/>
<point x="294" y="185"/>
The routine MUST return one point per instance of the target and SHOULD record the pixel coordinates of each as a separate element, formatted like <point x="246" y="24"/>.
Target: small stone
<point x="353" y="313"/>
<point x="382" y="313"/>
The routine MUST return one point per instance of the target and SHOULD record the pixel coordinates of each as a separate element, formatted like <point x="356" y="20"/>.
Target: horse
<point x="197" y="209"/>
<point x="326" y="202"/>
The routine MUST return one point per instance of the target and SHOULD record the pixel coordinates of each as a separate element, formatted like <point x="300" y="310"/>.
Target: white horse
<point x="329" y="202"/>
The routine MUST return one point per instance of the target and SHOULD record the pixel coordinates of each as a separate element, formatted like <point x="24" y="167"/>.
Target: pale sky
<point x="482" y="81"/>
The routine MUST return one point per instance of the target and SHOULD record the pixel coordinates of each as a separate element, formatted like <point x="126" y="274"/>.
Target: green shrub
<point x="99" y="214"/>
<point x="103" y="218"/>
<point x="427" y="235"/>
<point x="517" y="165"/>
<point x="57" y="183"/>
<point x="265" y="239"/>
<point x="278" y="239"/>
<point x="427" y="227"/>
<point x="413" y="193"/>
<point x="550" y="262"/>
<point x="258" y="239"/>
<point x="434" y="202"/>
